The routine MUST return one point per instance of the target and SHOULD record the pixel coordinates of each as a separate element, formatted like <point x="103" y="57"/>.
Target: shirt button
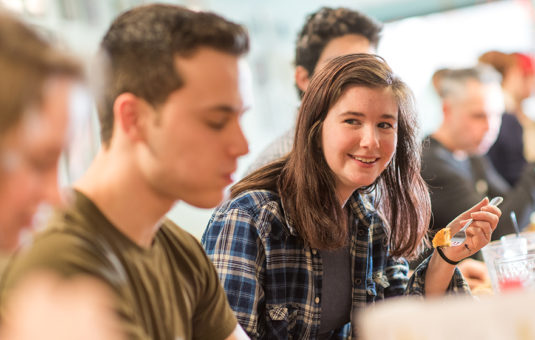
<point x="314" y="251"/>
<point x="317" y="300"/>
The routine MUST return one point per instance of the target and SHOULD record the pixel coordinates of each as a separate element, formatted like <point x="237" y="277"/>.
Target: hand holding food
<point x="443" y="236"/>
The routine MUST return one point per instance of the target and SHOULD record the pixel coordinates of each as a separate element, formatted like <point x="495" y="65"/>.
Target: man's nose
<point x="239" y="145"/>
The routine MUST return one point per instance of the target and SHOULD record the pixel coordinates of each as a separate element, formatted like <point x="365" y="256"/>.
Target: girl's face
<point x="359" y="137"/>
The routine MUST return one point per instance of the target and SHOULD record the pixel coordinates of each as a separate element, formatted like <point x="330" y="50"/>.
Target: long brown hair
<point x="306" y="184"/>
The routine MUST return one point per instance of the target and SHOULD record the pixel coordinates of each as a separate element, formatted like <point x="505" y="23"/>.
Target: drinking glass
<point x="509" y="246"/>
<point x="515" y="272"/>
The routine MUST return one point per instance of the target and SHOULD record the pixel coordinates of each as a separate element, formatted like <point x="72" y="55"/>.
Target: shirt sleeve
<point x="214" y="319"/>
<point x="232" y="242"/>
<point x="521" y="200"/>
<point x="64" y="255"/>
<point x="416" y="285"/>
<point x="397" y="274"/>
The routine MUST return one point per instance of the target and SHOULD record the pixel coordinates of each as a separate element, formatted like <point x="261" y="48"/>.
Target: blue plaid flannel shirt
<point x="273" y="280"/>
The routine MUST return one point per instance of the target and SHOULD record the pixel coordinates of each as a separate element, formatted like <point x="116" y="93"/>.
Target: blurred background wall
<point x="418" y="38"/>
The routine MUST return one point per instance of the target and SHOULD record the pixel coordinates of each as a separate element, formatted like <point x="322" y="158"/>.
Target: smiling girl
<point x="307" y="241"/>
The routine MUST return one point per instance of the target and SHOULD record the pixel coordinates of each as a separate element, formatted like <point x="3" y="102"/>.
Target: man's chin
<point x="206" y="201"/>
<point x="481" y="150"/>
<point x="485" y="145"/>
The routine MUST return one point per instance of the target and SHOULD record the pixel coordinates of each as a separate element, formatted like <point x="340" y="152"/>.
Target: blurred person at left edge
<point x="35" y="90"/>
<point x="169" y="102"/>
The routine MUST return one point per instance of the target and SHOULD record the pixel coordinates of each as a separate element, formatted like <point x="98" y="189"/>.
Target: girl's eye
<point x="352" y="121"/>
<point x="385" y="125"/>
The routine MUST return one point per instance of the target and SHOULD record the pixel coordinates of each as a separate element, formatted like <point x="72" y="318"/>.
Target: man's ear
<point x="301" y="78"/>
<point x="130" y="116"/>
<point x="446" y="109"/>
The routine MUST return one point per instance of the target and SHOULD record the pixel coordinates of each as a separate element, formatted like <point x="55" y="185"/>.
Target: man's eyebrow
<point x="227" y="109"/>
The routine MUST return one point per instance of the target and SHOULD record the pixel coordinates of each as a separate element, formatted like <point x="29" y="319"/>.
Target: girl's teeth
<point x="365" y="160"/>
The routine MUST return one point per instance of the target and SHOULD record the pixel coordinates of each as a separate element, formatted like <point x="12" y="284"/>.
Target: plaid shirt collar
<point x="360" y="205"/>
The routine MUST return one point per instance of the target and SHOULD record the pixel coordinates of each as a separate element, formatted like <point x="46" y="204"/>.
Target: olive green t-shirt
<point x="4" y="258"/>
<point x="169" y="291"/>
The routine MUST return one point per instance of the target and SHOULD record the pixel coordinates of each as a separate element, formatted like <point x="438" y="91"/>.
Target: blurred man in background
<point x="454" y="165"/>
<point x="327" y="33"/>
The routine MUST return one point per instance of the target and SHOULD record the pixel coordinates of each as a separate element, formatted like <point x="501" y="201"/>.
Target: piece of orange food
<point x="442" y="238"/>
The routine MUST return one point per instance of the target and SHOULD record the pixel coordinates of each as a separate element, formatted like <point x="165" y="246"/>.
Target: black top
<point x="335" y="291"/>
<point x="507" y="153"/>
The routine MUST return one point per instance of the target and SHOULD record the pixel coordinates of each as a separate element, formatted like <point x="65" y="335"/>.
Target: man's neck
<point x="512" y="105"/>
<point x="447" y="141"/>
<point x="124" y="197"/>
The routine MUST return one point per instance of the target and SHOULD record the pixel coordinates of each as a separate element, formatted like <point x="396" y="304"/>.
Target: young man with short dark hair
<point x="169" y="107"/>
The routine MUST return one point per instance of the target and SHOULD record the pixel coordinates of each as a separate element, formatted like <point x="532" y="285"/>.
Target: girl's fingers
<point x="493" y="210"/>
<point x="480" y="233"/>
<point x="461" y="219"/>
<point x="477" y="207"/>
<point x="487" y="217"/>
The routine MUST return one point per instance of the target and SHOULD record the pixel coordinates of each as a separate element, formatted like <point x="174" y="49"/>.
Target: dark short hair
<point x="26" y="62"/>
<point x="327" y="24"/>
<point x="138" y="52"/>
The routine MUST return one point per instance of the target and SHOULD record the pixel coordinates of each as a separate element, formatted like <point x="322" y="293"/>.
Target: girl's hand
<point x="478" y="234"/>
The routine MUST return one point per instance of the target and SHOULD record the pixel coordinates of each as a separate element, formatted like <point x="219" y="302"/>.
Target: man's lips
<point x="229" y="175"/>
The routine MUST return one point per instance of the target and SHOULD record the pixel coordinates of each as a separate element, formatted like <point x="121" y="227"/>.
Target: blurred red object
<point x="526" y="63"/>
<point x="511" y="284"/>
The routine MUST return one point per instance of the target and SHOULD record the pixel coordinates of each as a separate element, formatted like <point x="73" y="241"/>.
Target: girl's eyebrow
<point x="359" y="114"/>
